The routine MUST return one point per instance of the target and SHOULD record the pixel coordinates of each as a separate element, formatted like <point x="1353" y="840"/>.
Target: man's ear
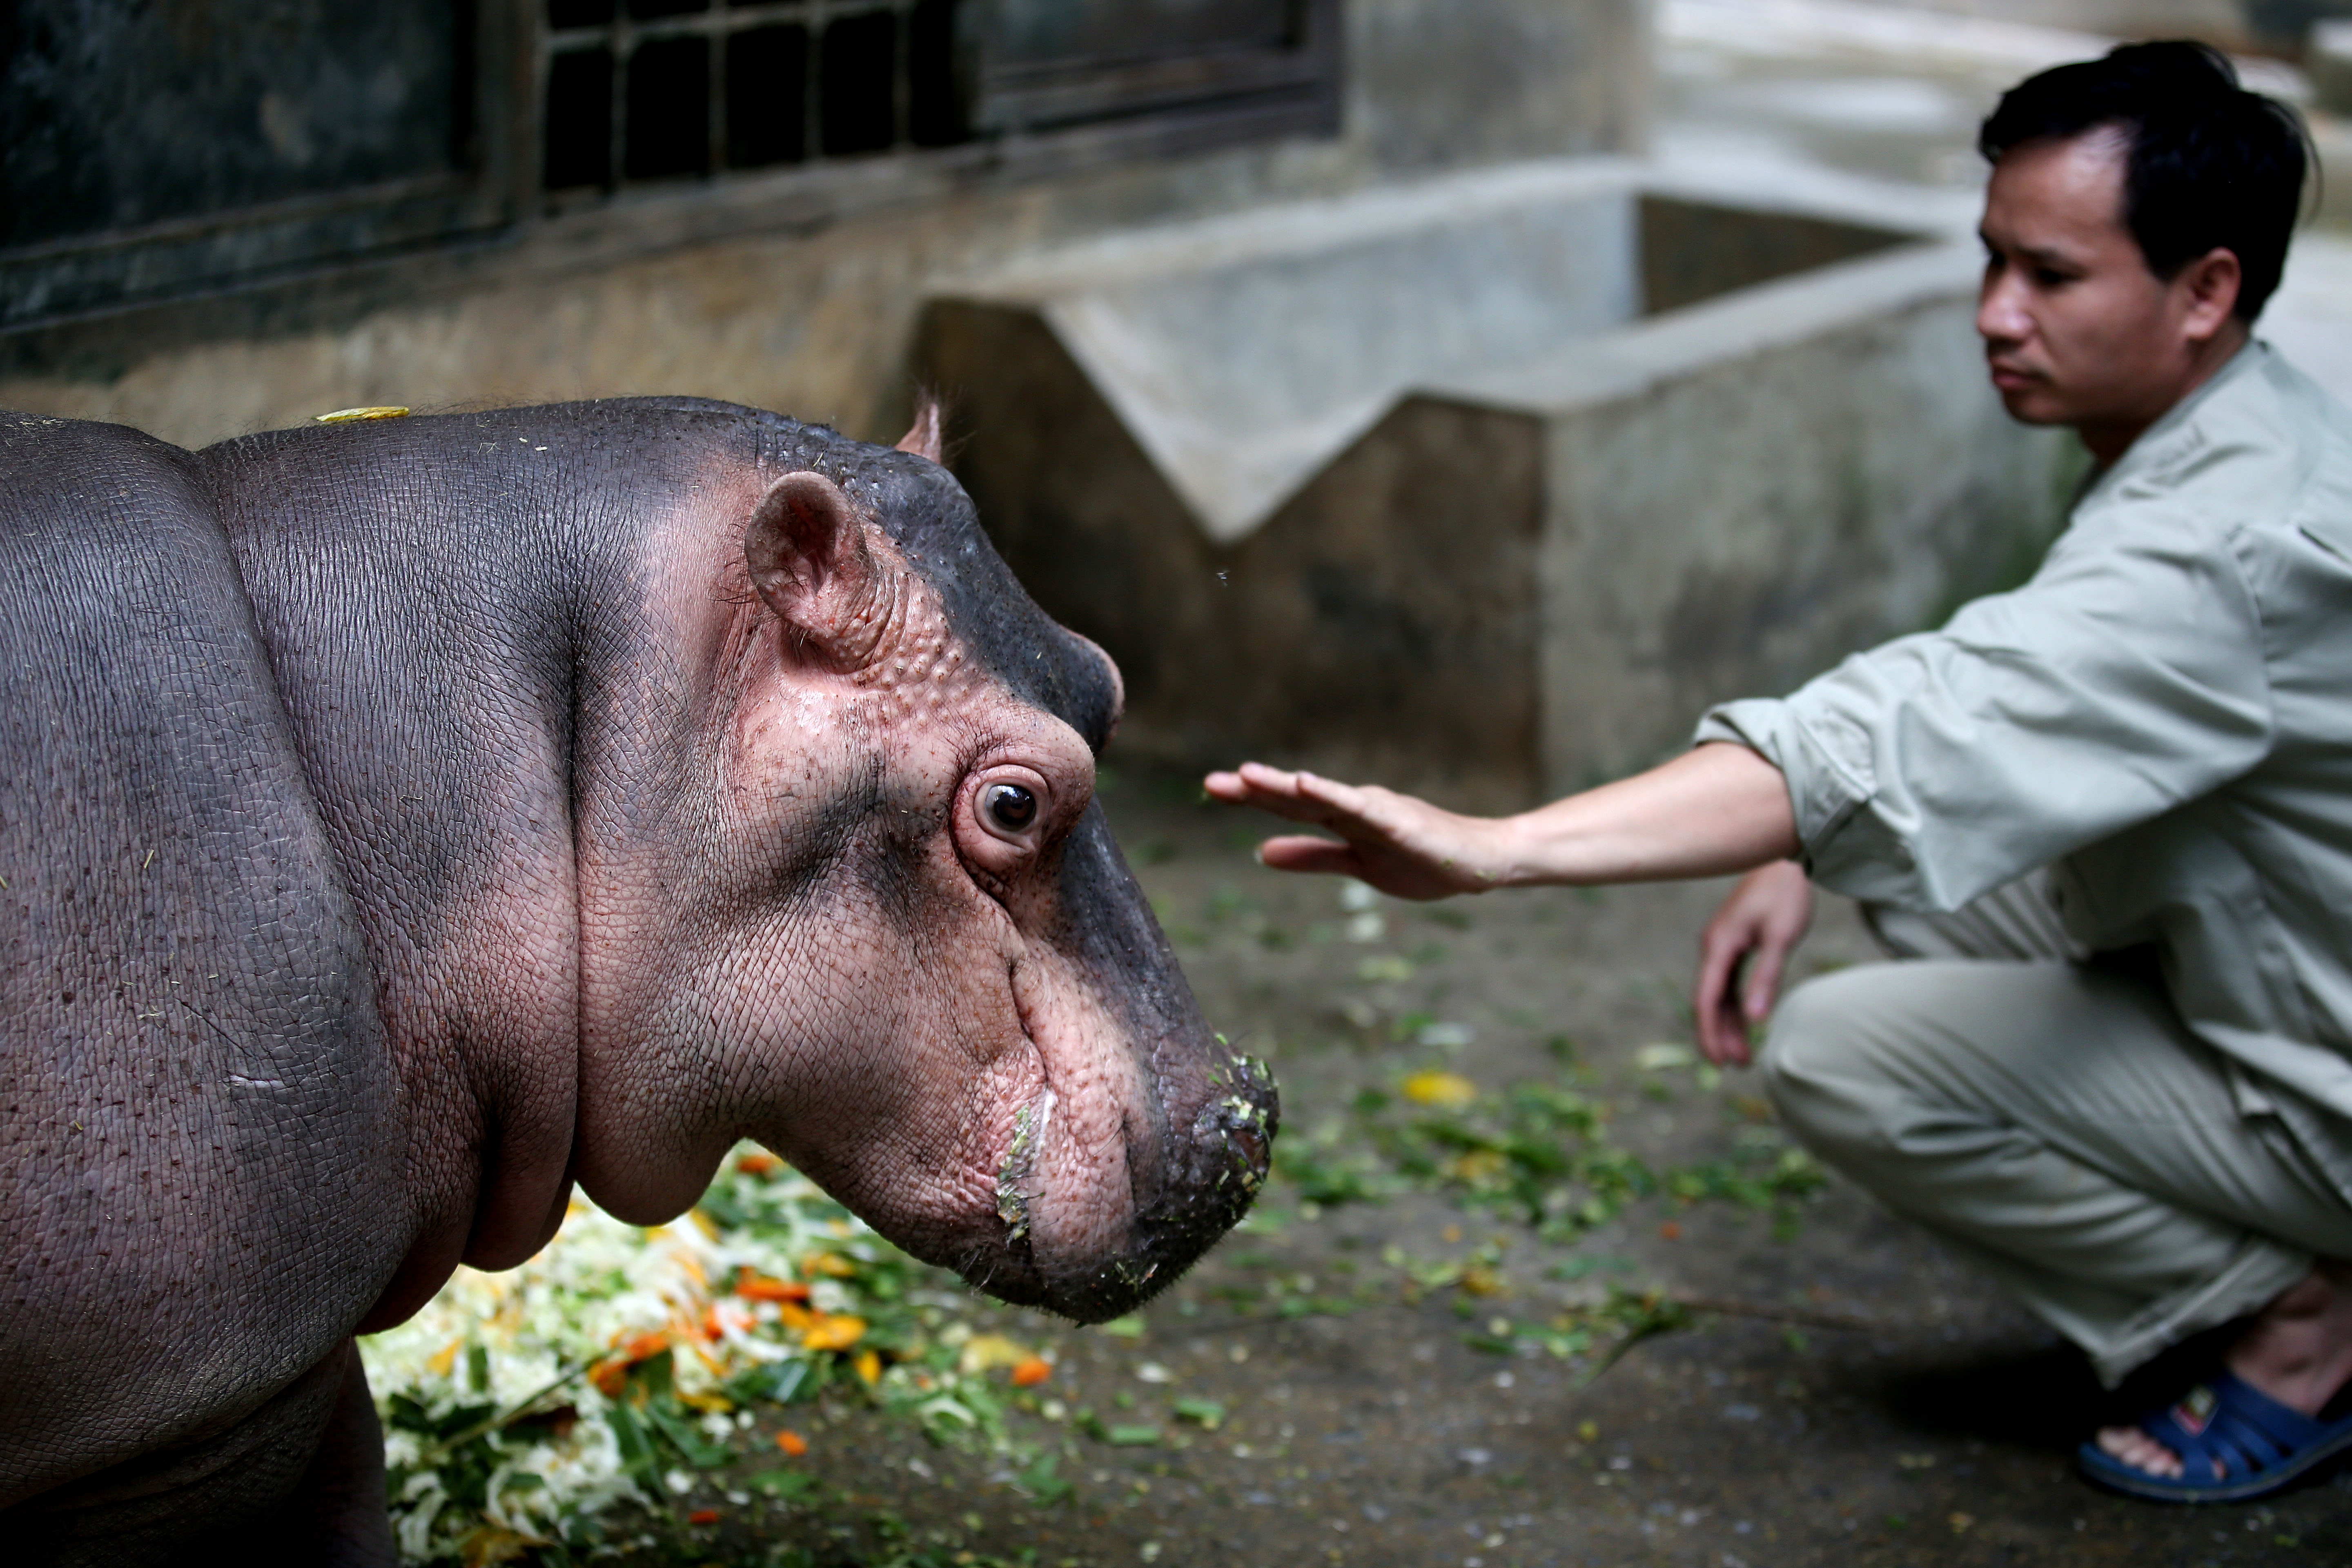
<point x="808" y="558"/>
<point x="2212" y="282"/>
<point x="923" y="440"/>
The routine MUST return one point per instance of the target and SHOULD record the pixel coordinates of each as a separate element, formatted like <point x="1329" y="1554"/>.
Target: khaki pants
<point x="2057" y="1123"/>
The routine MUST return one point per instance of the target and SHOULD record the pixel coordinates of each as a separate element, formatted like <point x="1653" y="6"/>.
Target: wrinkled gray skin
<point x="404" y="821"/>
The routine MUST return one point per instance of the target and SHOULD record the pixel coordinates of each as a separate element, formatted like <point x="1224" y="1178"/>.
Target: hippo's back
<point x="196" y="1121"/>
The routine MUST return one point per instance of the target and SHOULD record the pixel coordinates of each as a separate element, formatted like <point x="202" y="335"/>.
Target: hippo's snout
<point x="1209" y="1173"/>
<point x="1193" y="1163"/>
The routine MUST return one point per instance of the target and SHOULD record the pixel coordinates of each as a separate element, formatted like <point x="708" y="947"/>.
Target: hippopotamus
<point x="408" y="820"/>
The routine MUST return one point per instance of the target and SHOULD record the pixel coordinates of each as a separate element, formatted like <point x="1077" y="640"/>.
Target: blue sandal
<point x="2261" y="1445"/>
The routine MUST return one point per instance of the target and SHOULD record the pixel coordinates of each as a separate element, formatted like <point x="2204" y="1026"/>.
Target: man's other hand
<point x="1742" y="954"/>
<point x="1405" y="847"/>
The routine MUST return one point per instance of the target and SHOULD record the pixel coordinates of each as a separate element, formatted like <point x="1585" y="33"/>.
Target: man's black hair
<point x="2212" y="165"/>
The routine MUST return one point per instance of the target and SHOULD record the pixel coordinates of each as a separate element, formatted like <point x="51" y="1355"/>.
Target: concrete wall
<point x="1786" y="480"/>
<point x="817" y="321"/>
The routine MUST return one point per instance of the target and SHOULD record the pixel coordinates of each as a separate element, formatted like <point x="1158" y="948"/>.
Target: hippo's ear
<point x="807" y="551"/>
<point x="923" y="438"/>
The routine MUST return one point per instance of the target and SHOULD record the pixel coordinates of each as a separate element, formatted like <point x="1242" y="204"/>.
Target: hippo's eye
<point x="1009" y="807"/>
<point x="1005" y="821"/>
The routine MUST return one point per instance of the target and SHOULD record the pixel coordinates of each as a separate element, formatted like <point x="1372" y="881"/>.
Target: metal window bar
<point x="717" y="22"/>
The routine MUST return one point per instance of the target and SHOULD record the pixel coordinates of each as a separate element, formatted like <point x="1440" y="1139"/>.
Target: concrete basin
<point x="1488" y="486"/>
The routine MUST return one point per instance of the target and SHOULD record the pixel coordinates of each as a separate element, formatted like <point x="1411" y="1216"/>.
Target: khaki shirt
<point x="2163" y="714"/>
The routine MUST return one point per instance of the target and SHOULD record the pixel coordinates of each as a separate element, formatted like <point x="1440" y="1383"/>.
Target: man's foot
<point x="2233" y="1442"/>
<point x="2298" y="1351"/>
<point x="2141" y="1452"/>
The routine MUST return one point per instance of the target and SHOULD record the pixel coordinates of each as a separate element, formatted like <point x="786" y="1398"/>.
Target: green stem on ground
<point x="449" y="1445"/>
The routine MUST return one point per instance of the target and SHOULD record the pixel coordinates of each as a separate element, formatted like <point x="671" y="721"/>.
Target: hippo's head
<point x="881" y="925"/>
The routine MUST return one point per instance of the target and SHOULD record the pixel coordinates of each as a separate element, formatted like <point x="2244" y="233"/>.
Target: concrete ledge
<point x="1243" y="354"/>
<point x="1635" y="359"/>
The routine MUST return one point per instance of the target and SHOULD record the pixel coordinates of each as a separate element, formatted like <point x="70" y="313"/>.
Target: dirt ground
<point x="1369" y="1384"/>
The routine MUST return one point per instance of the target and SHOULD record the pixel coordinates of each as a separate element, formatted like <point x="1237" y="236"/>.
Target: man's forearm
<point x="1717" y="809"/>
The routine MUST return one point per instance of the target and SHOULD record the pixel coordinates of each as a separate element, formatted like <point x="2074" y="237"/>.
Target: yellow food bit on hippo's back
<point x="345" y="415"/>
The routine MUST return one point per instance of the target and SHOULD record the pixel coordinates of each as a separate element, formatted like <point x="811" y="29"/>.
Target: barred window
<point x="302" y="140"/>
<point x="657" y="90"/>
<point x="638" y="90"/>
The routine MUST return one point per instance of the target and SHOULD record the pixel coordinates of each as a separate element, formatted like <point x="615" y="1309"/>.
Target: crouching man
<point x="2107" y="818"/>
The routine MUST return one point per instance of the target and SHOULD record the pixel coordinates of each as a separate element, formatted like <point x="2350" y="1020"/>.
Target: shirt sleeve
<point x="2127" y="678"/>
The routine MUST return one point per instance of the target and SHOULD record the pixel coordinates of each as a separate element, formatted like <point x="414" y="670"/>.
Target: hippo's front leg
<point x="299" y="1481"/>
<point x="338" y="1517"/>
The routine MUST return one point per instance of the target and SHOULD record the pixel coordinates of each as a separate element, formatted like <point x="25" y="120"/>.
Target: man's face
<point x="2076" y="328"/>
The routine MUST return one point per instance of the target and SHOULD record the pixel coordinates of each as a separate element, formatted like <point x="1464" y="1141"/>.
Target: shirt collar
<point x="2173" y="434"/>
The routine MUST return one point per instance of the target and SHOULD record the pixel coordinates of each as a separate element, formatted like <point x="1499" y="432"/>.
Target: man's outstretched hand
<point x="1743" y="953"/>
<point x="1405" y="847"/>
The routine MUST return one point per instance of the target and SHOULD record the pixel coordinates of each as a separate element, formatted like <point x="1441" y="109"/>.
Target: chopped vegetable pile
<point x="522" y="1409"/>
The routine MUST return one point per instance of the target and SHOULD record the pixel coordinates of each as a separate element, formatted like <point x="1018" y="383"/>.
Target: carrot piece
<point x="1032" y="1373"/>
<point x="613" y="1372"/>
<point x="755" y="1286"/>
<point x="791" y="1443"/>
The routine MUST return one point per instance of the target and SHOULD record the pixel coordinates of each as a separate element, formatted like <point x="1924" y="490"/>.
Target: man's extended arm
<point x="1715" y="809"/>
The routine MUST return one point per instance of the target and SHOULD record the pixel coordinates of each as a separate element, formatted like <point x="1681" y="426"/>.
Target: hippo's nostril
<point x="1235" y="1130"/>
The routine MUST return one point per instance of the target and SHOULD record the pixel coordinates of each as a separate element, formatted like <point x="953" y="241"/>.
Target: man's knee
<point x="1824" y="1059"/>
